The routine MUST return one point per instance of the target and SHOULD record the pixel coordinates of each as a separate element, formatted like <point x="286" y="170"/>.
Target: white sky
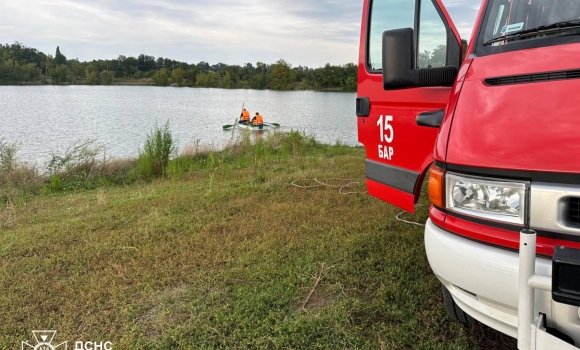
<point x="303" y="32"/>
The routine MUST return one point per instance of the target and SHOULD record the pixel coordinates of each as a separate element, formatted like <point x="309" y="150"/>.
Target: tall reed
<point x="159" y="147"/>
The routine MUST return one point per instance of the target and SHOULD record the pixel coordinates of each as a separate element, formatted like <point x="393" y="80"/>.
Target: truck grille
<point x="574" y="211"/>
<point x="534" y="78"/>
<point x="555" y="208"/>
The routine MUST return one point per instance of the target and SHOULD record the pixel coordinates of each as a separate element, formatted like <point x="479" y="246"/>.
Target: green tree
<point x="30" y="72"/>
<point x="91" y="75"/>
<point x="209" y="80"/>
<point x="282" y="75"/>
<point x="227" y="81"/>
<point x="191" y="75"/>
<point x="59" y="75"/>
<point x="77" y="69"/>
<point x="12" y="71"/>
<point x="350" y="84"/>
<point x="177" y="76"/>
<point x="161" y="77"/>
<point x="107" y="77"/>
<point x="59" y="58"/>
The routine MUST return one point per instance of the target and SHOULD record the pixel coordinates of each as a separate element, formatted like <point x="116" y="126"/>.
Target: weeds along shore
<point x="85" y="165"/>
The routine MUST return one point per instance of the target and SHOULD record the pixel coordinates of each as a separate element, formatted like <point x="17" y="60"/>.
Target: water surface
<point x="43" y="119"/>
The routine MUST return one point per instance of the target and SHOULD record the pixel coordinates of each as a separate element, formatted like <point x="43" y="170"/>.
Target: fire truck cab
<point x="496" y="135"/>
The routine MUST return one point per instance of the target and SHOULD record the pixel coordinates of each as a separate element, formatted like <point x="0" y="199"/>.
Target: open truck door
<point x="410" y="52"/>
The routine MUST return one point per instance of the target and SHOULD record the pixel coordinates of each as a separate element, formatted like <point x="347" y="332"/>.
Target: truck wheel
<point x="454" y="311"/>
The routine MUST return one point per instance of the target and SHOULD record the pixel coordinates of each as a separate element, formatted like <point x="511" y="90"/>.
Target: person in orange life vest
<point x="258" y="120"/>
<point x="245" y="117"/>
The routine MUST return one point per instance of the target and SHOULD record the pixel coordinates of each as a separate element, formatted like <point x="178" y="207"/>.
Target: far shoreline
<point x="150" y="83"/>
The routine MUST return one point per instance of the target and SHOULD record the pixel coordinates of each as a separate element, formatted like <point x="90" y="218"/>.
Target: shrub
<point x="157" y="150"/>
<point x="80" y="160"/>
<point x="17" y="181"/>
<point x="7" y="156"/>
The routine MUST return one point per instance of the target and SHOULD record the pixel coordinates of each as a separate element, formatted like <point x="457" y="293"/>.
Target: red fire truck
<point x="498" y="137"/>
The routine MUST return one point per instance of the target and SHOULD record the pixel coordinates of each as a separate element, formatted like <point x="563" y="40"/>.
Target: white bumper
<point x="483" y="281"/>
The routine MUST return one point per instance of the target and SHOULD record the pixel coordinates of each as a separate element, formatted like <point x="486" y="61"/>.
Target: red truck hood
<point x="528" y="126"/>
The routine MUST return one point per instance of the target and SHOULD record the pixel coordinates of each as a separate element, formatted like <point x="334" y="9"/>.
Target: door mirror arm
<point x="399" y="64"/>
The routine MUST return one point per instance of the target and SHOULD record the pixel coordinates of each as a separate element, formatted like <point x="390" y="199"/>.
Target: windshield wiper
<point x="546" y="29"/>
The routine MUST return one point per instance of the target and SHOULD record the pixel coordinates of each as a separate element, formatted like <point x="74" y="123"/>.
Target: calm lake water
<point x="43" y="119"/>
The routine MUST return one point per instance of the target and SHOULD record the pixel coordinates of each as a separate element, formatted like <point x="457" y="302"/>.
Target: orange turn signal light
<point x="437" y="186"/>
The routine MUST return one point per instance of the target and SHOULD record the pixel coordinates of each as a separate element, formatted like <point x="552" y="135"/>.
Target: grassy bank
<point x="223" y="251"/>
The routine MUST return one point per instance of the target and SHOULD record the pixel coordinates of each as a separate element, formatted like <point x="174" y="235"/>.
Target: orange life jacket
<point x="259" y="120"/>
<point x="245" y="115"/>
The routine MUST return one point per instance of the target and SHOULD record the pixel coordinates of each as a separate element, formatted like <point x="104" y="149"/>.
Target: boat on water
<point x="265" y="126"/>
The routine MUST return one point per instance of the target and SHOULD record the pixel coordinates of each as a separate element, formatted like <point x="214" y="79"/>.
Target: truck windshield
<point x="513" y="20"/>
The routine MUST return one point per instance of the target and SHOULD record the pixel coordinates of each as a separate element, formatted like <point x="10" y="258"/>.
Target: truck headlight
<point x="490" y="199"/>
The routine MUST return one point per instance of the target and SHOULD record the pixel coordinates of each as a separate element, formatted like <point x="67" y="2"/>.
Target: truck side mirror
<point x="399" y="64"/>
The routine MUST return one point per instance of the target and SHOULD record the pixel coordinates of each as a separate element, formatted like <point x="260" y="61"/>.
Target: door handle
<point x="431" y="119"/>
<point x="363" y="106"/>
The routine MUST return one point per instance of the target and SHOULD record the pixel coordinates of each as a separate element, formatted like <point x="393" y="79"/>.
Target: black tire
<point x="455" y="312"/>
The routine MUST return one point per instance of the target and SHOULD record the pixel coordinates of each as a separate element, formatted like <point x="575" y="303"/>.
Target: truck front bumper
<point x="483" y="281"/>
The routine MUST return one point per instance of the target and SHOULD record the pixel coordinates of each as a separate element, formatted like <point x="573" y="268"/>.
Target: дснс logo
<point x="44" y="341"/>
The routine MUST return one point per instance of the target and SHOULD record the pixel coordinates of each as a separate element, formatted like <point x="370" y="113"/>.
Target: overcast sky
<point x="303" y="32"/>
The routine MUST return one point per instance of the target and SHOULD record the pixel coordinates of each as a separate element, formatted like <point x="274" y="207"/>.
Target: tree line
<point x="20" y="64"/>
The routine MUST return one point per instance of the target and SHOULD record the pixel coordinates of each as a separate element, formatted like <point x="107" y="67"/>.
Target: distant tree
<point x="203" y="66"/>
<point x="30" y="72"/>
<point x="91" y="75"/>
<point x="77" y="69"/>
<point x="19" y="63"/>
<point x="146" y="63"/>
<point x="351" y="84"/>
<point x="160" y="63"/>
<point x="59" y="58"/>
<point x="209" y="80"/>
<point x="424" y="58"/>
<point x="59" y="75"/>
<point x="464" y="45"/>
<point x="107" y="77"/>
<point x="161" y="77"/>
<point x="227" y="81"/>
<point x="191" y="75"/>
<point x="177" y="76"/>
<point x="11" y="70"/>
<point x="259" y="81"/>
<point x="438" y="57"/>
<point x="282" y="75"/>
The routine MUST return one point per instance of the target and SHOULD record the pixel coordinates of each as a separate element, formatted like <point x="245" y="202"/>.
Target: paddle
<point x="273" y="124"/>
<point x="227" y="126"/>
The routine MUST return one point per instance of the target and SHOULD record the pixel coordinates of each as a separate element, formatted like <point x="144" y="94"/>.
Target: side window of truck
<point x="432" y="51"/>
<point x="396" y="14"/>
<point x="386" y="15"/>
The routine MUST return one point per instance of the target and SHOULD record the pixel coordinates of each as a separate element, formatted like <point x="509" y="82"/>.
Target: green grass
<point x="223" y="253"/>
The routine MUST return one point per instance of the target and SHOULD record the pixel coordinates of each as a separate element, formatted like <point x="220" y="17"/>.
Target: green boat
<point x="265" y="126"/>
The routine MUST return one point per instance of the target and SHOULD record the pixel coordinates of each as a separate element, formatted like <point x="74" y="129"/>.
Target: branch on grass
<point x="321" y="274"/>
